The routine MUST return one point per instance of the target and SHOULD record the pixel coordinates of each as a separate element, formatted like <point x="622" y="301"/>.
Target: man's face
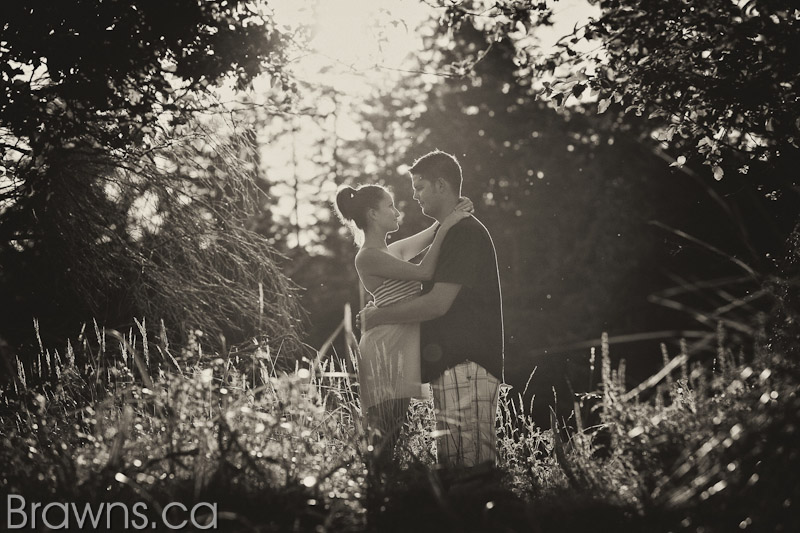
<point x="427" y="196"/>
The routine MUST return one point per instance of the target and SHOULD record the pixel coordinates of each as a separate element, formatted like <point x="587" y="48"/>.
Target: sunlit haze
<point x="354" y="47"/>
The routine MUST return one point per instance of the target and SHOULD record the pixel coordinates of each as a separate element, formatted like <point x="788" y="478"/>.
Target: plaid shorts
<point x="465" y="398"/>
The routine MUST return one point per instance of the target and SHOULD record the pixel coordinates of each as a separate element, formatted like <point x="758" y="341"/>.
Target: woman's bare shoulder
<point x="374" y="254"/>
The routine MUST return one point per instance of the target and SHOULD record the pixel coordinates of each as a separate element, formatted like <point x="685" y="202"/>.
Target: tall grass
<point x="279" y="450"/>
<point x="119" y="417"/>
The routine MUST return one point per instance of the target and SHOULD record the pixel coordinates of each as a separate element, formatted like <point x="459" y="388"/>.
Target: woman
<point x="389" y="358"/>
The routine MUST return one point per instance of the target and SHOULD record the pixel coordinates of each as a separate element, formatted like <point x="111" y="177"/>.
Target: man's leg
<point x="465" y="398"/>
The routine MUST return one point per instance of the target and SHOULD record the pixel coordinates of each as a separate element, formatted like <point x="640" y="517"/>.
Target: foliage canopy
<point x="718" y="79"/>
<point x="108" y="69"/>
<point x="117" y="200"/>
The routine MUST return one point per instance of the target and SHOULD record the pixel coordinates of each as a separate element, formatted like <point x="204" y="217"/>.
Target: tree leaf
<point x="679" y="162"/>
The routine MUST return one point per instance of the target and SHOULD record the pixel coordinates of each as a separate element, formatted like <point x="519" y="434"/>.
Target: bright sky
<point x="354" y="38"/>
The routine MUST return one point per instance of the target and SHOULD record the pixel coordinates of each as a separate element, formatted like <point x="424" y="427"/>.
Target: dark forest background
<point x="662" y="208"/>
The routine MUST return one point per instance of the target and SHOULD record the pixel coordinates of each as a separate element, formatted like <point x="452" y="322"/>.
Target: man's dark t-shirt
<point x="473" y="326"/>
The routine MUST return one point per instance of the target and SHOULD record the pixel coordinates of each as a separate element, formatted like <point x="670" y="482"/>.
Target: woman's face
<point x="387" y="217"/>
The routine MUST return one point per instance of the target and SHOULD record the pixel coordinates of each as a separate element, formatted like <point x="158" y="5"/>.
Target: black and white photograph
<point x="400" y="265"/>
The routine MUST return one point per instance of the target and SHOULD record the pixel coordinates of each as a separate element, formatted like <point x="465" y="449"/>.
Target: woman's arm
<point x="374" y="262"/>
<point x="427" y="307"/>
<point x="410" y="247"/>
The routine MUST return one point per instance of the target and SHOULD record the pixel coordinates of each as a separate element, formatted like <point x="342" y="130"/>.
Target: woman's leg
<point x="387" y="418"/>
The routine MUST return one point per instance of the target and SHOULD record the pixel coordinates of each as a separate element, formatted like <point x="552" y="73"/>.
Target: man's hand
<point x="363" y="318"/>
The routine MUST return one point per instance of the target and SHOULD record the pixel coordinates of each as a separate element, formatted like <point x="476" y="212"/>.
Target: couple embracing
<point x="436" y="320"/>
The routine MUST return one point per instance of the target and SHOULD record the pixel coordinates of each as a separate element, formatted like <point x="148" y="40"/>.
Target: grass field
<point x="124" y="418"/>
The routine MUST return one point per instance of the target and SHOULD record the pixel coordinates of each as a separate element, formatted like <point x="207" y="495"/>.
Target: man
<point x="462" y="321"/>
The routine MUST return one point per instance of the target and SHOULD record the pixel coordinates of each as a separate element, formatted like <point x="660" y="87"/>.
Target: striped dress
<point x="389" y="355"/>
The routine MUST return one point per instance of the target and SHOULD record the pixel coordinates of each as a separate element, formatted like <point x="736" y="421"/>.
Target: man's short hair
<point x="438" y="164"/>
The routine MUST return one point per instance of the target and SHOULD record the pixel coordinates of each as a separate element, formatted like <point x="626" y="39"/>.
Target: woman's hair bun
<point x="345" y="202"/>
